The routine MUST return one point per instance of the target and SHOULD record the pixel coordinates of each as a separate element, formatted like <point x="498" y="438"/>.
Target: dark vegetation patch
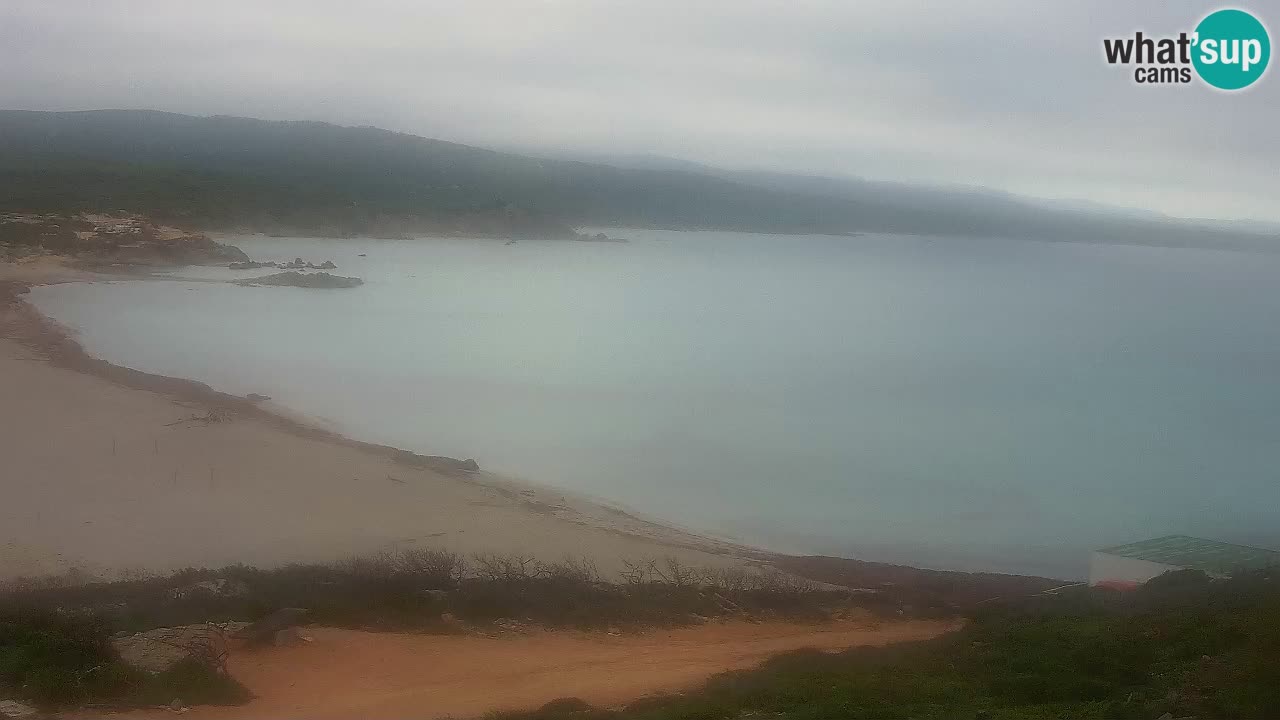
<point x="1181" y="645"/>
<point x="59" y="659"/>
<point x="430" y="590"/>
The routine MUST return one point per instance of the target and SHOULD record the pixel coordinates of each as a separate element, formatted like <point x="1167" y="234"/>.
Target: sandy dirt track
<point x="359" y="675"/>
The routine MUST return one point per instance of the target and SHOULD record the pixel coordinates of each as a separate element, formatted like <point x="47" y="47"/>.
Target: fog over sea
<point x="949" y="402"/>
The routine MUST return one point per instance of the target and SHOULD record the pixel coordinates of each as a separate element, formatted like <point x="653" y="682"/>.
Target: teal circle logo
<point x="1231" y="49"/>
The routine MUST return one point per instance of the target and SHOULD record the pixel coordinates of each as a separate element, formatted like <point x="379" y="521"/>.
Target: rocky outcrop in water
<point x="598" y="237"/>
<point x="250" y="265"/>
<point x="321" y="280"/>
<point x="297" y="264"/>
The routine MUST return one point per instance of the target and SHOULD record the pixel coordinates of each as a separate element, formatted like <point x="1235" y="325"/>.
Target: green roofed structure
<point x="1135" y="563"/>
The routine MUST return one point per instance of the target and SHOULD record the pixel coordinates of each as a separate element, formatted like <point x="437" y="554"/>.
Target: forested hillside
<point x="238" y="173"/>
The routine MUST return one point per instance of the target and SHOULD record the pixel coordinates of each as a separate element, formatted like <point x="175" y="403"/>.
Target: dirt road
<point x="359" y="675"/>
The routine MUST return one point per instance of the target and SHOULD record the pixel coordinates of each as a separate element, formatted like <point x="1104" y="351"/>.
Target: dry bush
<point x="730" y="579"/>
<point x="434" y="569"/>
<point x="506" y="568"/>
<point x="635" y="573"/>
<point x="580" y="569"/>
<point x="449" y="567"/>
<point x="674" y="572"/>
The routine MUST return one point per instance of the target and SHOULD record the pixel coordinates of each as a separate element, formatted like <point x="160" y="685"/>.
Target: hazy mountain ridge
<point x="229" y="172"/>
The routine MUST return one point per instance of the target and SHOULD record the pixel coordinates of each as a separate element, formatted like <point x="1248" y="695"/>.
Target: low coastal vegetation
<point x="57" y="658"/>
<point x="56" y="634"/>
<point x="441" y="591"/>
<point x="1181" y="646"/>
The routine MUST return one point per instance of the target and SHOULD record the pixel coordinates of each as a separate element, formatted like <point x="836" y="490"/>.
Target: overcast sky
<point x="1012" y="95"/>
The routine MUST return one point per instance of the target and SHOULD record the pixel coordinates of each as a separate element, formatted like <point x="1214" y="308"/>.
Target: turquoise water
<point x="950" y="402"/>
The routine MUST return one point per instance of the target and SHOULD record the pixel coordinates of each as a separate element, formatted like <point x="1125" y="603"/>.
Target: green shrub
<point x="52" y="658"/>
<point x="194" y="683"/>
<point x="1184" y="646"/>
<point x="57" y="659"/>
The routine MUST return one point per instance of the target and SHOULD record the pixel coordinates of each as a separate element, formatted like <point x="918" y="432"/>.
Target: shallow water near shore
<point x="957" y="403"/>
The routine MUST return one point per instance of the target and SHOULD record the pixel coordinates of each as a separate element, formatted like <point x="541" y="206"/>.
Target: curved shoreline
<point x="22" y="323"/>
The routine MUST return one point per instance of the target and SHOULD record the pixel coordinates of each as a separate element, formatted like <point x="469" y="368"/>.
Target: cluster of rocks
<point x="598" y="237"/>
<point x="439" y="463"/>
<point x="157" y="650"/>
<point x="292" y="278"/>
<point x="14" y="710"/>
<point x="297" y="264"/>
<point x="278" y="628"/>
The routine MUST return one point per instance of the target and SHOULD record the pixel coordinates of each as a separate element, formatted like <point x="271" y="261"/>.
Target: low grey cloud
<point x="1003" y="94"/>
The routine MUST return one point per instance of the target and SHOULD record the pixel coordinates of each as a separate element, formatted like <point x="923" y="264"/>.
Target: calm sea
<point x="958" y="403"/>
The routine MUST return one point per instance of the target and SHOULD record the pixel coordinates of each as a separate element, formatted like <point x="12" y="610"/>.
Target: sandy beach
<point x="110" y="472"/>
